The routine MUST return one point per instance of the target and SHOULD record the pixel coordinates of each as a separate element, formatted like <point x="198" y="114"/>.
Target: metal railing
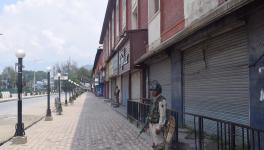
<point x="206" y="132"/>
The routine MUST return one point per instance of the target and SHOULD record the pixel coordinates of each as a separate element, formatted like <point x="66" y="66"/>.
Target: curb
<point x="15" y="99"/>
<point x="107" y="101"/>
<point x="119" y="112"/>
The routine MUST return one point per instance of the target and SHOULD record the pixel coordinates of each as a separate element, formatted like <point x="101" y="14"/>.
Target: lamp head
<point x="20" y="53"/>
<point x="49" y="69"/>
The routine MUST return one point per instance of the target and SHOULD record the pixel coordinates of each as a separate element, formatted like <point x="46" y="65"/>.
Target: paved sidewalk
<point x="89" y="124"/>
<point x="31" y="113"/>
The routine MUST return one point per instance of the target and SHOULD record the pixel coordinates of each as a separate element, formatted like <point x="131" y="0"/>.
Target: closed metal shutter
<point x="125" y="89"/>
<point x="110" y="89"/>
<point x="135" y="86"/>
<point x="161" y="71"/>
<point x="216" y="77"/>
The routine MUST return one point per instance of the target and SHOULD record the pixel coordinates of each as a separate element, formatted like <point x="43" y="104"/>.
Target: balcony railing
<point x="205" y="132"/>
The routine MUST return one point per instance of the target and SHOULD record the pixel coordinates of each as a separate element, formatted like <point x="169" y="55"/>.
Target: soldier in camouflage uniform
<point x="157" y="116"/>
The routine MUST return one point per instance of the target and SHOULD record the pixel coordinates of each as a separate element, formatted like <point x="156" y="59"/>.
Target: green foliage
<point x="84" y="74"/>
<point x="8" y="77"/>
<point x="29" y="75"/>
<point x="74" y="73"/>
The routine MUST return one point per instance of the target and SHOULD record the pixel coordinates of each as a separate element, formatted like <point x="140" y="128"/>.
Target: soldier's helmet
<point x="155" y="86"/>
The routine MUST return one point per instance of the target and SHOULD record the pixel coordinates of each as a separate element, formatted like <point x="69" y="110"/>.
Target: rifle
<point x="144" y="127"/>
<point x="147" y="121"/>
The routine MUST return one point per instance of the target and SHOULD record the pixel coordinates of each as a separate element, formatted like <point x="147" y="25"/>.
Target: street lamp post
<point x="69" y="90"/>
<point x="59" y="75"/>
<point x="48" y="115"/>
<point x="59" y="107"/>
<point x="66" y="88"/>
<point x="20" y="137"/>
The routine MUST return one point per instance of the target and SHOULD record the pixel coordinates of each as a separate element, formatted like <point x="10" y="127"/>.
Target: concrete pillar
<point x="256" y="61"/>
<point x="176" y="94"/>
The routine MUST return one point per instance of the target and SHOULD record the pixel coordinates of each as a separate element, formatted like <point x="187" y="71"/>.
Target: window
<point x="106" y="43"/>
<point x="134" y="2"/>
<point x="123" y="14"/>
<point x="109" y="38"/>
<point x="117" y="19"/>
<point x="113" y="29"/>
<point x="154" y="6"/>
<point x="105" y="46"/>
<point x="134" y="14"/>
<point x="124" y="58"/>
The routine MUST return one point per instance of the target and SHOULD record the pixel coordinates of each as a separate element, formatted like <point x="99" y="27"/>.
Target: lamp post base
<point x="48" y="118"/>
<point x="19" y="140"/>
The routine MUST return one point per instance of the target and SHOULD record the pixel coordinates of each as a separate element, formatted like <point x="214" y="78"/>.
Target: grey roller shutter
<point x="113" y="86"/>
<point x="216" y="77"/>
<point x="125" y="89"/>
<point x="161" y="71"/>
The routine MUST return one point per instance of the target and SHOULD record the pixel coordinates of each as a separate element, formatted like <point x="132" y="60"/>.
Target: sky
<point x="50" y="31"/>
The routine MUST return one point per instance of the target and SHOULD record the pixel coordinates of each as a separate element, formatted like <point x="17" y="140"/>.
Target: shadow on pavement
<point x="80" y="139"/>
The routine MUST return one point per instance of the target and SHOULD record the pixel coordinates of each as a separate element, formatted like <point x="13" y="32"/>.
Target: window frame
<point x="117" y="19"/>
<point x="152" y="13"/>
<point x="124" y="13"/>
<point x="134" y="12"/>
<point x="113" y="29"/>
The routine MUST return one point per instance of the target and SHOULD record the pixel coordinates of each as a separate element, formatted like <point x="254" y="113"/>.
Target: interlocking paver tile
<point x="88" y="124"/>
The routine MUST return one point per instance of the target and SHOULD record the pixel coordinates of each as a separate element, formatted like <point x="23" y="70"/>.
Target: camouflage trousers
<point x="157" y="139"/>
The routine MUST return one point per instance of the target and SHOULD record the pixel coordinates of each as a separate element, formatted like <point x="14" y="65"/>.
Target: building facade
<point x="124" y="36"/>
<point x="206" y="54"/>
<point x="99" y="74"/>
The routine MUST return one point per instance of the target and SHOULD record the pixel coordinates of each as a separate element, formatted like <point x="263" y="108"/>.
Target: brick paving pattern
<point x="31" y="114"/>
<point x="89" y="124"/>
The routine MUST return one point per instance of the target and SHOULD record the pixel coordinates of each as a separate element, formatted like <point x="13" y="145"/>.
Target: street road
<point x="10" y="108"/>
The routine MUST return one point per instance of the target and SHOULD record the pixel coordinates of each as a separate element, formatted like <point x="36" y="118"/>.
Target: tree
<point x="74" y="73"/>
<point x="84" y="74"/>
<point x="28" y="78"/>
<point x="9" y="77"/>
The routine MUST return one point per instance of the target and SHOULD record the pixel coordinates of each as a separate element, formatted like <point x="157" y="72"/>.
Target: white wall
<point x="154" y="31"/>
<point x="193" y="9"/>
<point x="136" y="86"/>
<point x="110" y="89"/>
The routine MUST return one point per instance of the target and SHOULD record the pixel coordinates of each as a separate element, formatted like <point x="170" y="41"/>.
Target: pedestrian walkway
<point x="88" y="124"/>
